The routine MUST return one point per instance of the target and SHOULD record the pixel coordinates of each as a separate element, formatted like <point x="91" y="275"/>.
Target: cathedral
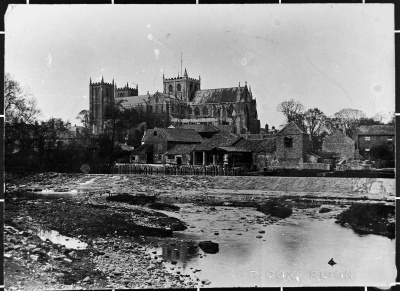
<point x="182" y="101"/>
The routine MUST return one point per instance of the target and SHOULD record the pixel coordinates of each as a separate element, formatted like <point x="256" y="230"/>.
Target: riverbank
<point x="120" y="235"/>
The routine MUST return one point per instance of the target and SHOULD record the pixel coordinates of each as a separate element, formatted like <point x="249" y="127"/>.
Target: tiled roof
<point x="216" y="95"/>
<point x="256" y="146"/>
<point x="221" y="139"/>
<point x="143" y="149"/>
<point x="376" y="130"/>
<point x="181" y="149"/>
<point x="133" y="100"/>
<point x="291" y="128"/>
<point x="227" y="128"/>
<point x="234" y="149"/>
<point x="200" y="127"/>
<point x="146" y="135"/>
<point x="179" y="134"/>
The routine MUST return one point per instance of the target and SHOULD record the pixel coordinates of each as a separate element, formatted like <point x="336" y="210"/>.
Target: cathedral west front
<point x="182" y="101"/>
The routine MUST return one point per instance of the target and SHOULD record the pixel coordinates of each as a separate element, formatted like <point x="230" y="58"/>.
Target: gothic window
<point x="195" y="87"/>
<point x="108" y="92"/>
<point x="190" y="111"/>
<point x="170" y="89"/>
<point x="156" y="99"/>
<point x="179" y="87"/>
<point x="218" y="114"/>
<point x="205" y="111"/>
<point x="173" y="107"/>
<point x="191" y="87"/>
<point x="197" y="111"/>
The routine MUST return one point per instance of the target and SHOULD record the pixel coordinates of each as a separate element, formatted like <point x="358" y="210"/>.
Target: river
<point x="292" y="252"/>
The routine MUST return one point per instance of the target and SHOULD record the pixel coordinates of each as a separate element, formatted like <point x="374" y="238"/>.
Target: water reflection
<point x="293" y="252"/>
<point x="179" y="251"/>
<point x="56" y="238"/>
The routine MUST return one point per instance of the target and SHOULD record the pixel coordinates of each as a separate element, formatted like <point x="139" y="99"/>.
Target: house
<point x="340" y="145"/>
<point x="368" y="136"/>
<point x="221" y="150"/>
<point x="142" y="154"/>
<point x="263" y="151"/>
<point x="180" y="154"/>
<point x="164" y="139"/>
<point x="292" y="145"/>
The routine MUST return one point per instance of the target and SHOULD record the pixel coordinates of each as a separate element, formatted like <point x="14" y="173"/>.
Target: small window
<point x="155" y="133"/>
<point x="179" y="87"/>
<point x="390" y="139"/>
<point x="288" y="141"/>
<point x="156" y="99"/>
<point x="197" y="111"/>
<point x="160" y="157"/>
<point x="190" y="111"/>
<point x="367" y="150"/>
<point x="170" y="89"/>
<point x="367" y="138"/>
<point x="170" y="157"/>
<point x="205" y="111"/>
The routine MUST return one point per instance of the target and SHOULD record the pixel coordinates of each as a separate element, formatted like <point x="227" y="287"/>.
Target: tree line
<point x="318" y="125"/>
<point x="50" y="145"/>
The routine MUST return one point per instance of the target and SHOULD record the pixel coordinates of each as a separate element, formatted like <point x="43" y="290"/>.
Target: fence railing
<point x="147" y="169"/>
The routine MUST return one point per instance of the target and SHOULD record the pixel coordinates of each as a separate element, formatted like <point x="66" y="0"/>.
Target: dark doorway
<point x="149" y="158"/>
<point x="179" y="160"/>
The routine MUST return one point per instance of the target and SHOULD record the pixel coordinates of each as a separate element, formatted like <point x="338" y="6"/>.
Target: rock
<point x="261" y="231"/>
<point x="324" y="210"/>
<point x="205" y="282"/>
<point x="34" y="257"/>
<point x="73" y="255"/>
<point x="174" y="262"/>
<point x="259" y="236"/>
<point x="274" y="209"/>
<point x="87" y="279"/>
<point x="209" y="247"/>
<point x="216" y="233"/>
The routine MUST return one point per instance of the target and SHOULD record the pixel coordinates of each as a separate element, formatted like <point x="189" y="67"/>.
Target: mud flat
<point x="119" y="237"/>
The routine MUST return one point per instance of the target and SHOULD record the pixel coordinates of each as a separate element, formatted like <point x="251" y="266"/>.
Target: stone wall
<point x="315" y="166"/>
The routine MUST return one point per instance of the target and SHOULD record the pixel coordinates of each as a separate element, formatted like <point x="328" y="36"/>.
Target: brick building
<point x="292" y="145"/>
<point x="181" y="102"/>
<point x="368" y="136"/>
<point x="164" y="139"/>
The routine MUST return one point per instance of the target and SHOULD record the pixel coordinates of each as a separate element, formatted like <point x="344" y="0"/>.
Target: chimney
<point x="266" y="128"/>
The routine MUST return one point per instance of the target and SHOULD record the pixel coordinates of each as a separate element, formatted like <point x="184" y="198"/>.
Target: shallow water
<point x="56" y="238"/>
<point x="292" y="252"/>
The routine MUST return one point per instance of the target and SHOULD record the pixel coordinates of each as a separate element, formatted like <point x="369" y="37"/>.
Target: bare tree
<point x="19" y="105"/>
<point x="348" y="119"/>
<point x="293" y="111"/>
<point x="314" y="121"/>
<point x="84" y="118"/>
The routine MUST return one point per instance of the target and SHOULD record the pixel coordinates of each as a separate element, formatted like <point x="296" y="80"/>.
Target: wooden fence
<point x="176" y="170"/>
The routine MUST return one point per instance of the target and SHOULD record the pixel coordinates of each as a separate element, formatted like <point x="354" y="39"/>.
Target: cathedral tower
<point x="182" y="88"/>
<point x="101" y="95"/>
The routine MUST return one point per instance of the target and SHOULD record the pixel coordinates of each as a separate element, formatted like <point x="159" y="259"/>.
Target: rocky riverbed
<point x="118" y="236"/>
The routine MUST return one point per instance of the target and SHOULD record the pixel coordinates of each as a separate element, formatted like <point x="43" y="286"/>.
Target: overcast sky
<point x="326" y="56"/>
